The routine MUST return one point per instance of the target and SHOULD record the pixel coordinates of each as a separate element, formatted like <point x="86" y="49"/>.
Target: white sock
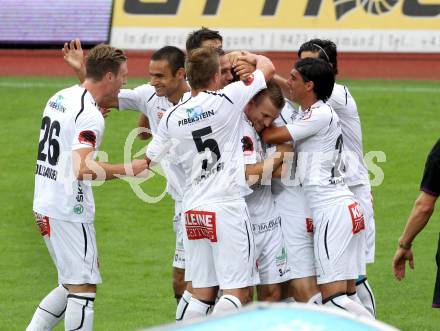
<point x="183" y="305"/>
<point x="316" y="299"/>
<point x="342" y="301"/>
<point x="50" y="311"/>
<point x="365" y="294"/>
<point x="196" y="309"/>
<point x="226" y="303"/>
<point x="288" y="300"/>
<point x="79" y="312"/>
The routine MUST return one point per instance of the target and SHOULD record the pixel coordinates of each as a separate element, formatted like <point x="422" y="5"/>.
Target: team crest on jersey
<point x="87" y="137"/>
<point x="247" y="145"/>
<point x="248" y="81"/>
<point x="201" y="225"/>
<point x="357" y="217"/>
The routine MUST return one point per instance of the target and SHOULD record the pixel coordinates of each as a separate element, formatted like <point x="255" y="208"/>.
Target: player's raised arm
<point x="259" y="61"/>
<point x="73" y="55"/>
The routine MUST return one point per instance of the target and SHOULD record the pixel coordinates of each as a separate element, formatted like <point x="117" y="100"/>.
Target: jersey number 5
<point x="53" y="149"/>
<point x="201" y="145"/>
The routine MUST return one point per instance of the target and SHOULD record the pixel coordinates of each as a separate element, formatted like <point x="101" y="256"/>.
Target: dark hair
<point x="174" y="56"/>
<point x="273" y="91"/>
<point x="201" y="64"/>
<point x="326" y="50"/>
<point x="319" y="72"/>
<point x="196" y="38"/>
<point x="102" y="59"/>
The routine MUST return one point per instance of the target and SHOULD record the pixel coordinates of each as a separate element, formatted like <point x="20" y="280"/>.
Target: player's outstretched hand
<point x="399" y="262"/>
<point x="244" y="69"/>
<point x="73" y="54"/>
<point x="139" y="168"/>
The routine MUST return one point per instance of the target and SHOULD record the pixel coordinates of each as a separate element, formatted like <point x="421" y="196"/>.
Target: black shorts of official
<point x="436" y="298"/>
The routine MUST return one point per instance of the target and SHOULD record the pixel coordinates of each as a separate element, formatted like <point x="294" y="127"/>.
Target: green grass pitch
<point x="136" y="241"/>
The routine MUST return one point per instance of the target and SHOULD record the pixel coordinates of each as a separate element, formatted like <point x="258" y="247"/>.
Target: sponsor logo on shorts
<point x="357" y="218"/>
<point x="268" y="226"/>
<point x="43" y="224"/>
<point x="309" y="225"/>
<point x="78" y="209"/>
<point x="200" y="225"/>
<point x="281" y="262"/>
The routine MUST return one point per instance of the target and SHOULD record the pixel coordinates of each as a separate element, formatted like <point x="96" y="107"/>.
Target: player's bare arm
<point x="276" y="135"/>
<point x="422" y="211"/>
<point x="86" y="168"/>
<point x="143" y="123"/>
<point x="282" y="82"/>
<point x="73" y="55"/>
<point x="242" y="62"/>
<point x="260" y="170"/>
<point x="281" y="171"/>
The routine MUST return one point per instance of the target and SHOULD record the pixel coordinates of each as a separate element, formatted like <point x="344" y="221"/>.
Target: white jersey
<point x="71" y="121"/>
<point x="318" y="141"/>
<point x="145" y="100"/>
<point x="206" y="131"/>
<point x="344" y="105"/>
<point x="260" y="202"/>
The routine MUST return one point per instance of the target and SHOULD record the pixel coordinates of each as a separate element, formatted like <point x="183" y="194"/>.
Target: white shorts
<point x="363" y="195"/>
<point x="179" y="253"/>
<point x="220" y="246"/>
<point x="271" y="252"/>
<point x="297" y="227"/>
<point x="339" y="241"/>
<point x="73" y="249"/>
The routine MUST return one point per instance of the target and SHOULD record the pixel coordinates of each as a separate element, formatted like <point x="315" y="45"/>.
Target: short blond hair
<point x="201" y="65"/>
<point x="102" y="59"/>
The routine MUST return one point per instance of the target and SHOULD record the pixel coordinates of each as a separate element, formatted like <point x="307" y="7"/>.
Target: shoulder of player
<point x="170" y="112"/>
<point x="321" y="112"/>
<point x="220" y="94"/>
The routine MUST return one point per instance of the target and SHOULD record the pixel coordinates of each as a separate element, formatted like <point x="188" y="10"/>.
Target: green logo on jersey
<point x="78" y="209"/>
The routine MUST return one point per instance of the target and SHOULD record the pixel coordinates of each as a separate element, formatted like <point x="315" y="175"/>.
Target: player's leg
<point x="363" y="288"/>
<point x="182" y="306"/>
<point x="305" y="290"/>
<point x="51" y="309"/>
<point x="339" y="253"/>
<point x="298" y="235"/>
<point x="179" y="283"/>
<point x="200" y="266"/>
<point x="234" y="256"/>
<point x="78" y="269"/>
<point x="273" y="268"/>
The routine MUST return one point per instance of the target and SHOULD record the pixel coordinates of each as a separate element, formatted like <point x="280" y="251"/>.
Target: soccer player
<point x="420" y="215"/>
<point x="166" y="88"/>
<point x="356" y="173"/>
<point x="207" y="131"/>
<point x="271" y="255"/>
<point x="296" y="225"/>
<point x="71" y="132"/>
<point x="339" y="236"/>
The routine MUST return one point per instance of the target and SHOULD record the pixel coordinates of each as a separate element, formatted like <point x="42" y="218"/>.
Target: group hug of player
<point x="267" y="174"/>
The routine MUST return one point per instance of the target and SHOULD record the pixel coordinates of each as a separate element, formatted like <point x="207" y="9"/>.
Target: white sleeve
<point x="240" y="93"/>
<point x="89" y="128"/>
<point x="339" y="98"/>
<point x="160" y="143"/>
<point x="316" y="120"/>
<point x="134" y="99"/>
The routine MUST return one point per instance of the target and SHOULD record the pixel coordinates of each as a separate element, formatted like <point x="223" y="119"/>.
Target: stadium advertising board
<point x="282" y="25"/>
<point x="54" y="22"/>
